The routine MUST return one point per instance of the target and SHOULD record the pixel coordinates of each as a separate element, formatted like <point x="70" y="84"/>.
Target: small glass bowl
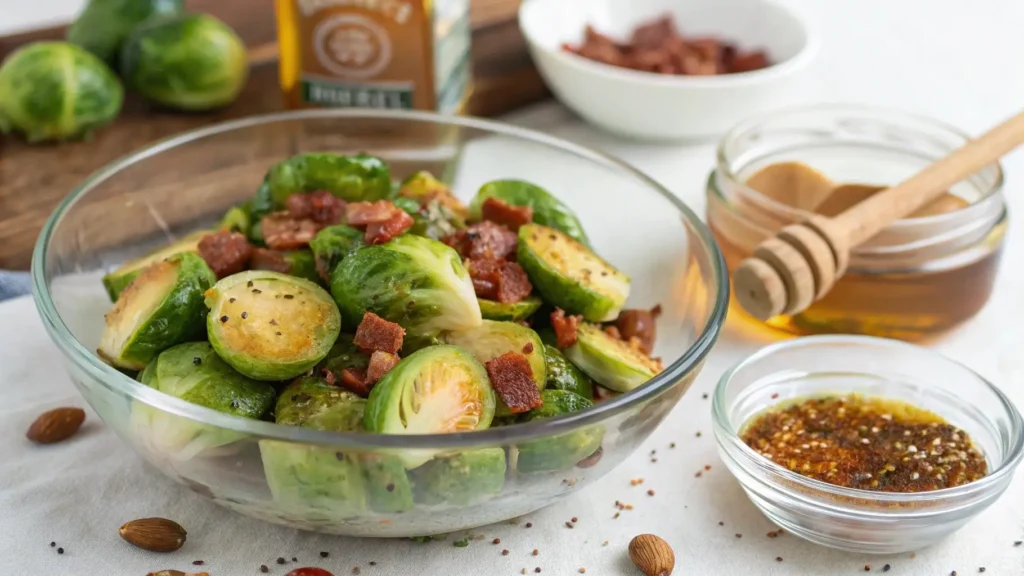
<point x="861" y="520"/>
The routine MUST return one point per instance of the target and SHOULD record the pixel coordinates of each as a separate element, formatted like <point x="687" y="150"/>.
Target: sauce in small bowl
<point x="843" y="388"/>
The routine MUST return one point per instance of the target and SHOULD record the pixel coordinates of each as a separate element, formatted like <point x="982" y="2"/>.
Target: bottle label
<point x="382" y="53"/>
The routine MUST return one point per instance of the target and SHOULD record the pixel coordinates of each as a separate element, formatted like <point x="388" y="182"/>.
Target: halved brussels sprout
<point x="360" y="178"/>
<point x="492" y="339"/>
<point x="309" y="477"/>
<point x="271" y="326"/>
<point x="611" y="362"/>
<point x="513" y="312"/>
<point x="193" y="372"/>
<point x="423" y="186"/>
<point x="563" y="375"/>
<point x="564" y="450"/>
<point x="237" y="219"/>
<point x="547" y="210"/>
<point x="436" y="390"/>
<point x="119" y="279"/>
<point x="300" y="263"/>
<point x="570" y="276"/>
<point x="431" y="218"/>
<point x="190" y="62"/>
<point x="332" y="244"/>
<point x="414" y="281"/>
<point x="388" y="488"/>
<point x="310" y="402"/>
<point x="104" y="25"/>
<point x="462" y="479"/>
<point x="162" y="307"/>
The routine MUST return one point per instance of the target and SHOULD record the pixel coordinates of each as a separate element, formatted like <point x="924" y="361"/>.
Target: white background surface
<point x="959" y="61"/>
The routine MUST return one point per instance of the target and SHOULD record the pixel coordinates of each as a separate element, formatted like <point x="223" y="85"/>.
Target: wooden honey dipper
<point x="802" y="262"/>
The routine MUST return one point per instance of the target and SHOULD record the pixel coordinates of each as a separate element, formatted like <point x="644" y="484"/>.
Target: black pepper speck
<point x="886" y="568"/>
<point x="223" y="318"/>
<point x="52" y="544"/>
<point x="245" y="315"/>
<point x="281" y="560"/>
<point x="60" y="550"/>
<point x="324" y="554"/>
<point x="264" y="569"/>
<point x="197" y="361"/>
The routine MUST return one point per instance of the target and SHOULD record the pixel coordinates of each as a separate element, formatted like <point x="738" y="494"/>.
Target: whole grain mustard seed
<point x="866" y="443"/>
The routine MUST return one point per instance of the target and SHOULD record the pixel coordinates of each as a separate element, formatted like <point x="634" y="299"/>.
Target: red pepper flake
<point x="707" y="466"/>
<point x="535" y="552"/>
<point x="512" y="378"/>
<point x="574" y="520"/>
<point x="377" y="334"/>
<point x="778" y="558"/>
<point x="867" y="567"/>
<point x="566" y="328"/>
<point x="774" y="396"/>
<point x="496" y="541"/>
<point x="650" y="492"/>
<point x="501" y="212"/>
<point x="569" y="525"/>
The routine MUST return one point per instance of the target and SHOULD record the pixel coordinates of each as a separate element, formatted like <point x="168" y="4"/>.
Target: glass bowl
<point x="862" y="520"/>
<point x="314" y="480"/>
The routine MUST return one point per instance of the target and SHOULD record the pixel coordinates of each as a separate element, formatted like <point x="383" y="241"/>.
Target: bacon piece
<point x="282" y="231"/>
<point x="484" y="240"/>
<point x="512" y="378"/>
<point x="379" y="233"/>
<point x="363" y="213"/>
<point x="638" y="325"/>
<point x="501" y="212"/>
<point x="321" y="207"/>
<point x="528" y="348"/>
<point x="566" y="328"/>
<point x="273" y="260"/>
<point x="377" y="334"/>
<point x="226" y="252"/>
<point x="499" y="280"/>
<point x="329" y="377"/>
<point x="380" y="364"/>
<point x="354" y="380"/>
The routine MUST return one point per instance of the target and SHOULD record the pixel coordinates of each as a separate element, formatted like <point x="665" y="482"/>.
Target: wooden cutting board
<point x="33" y="179"/>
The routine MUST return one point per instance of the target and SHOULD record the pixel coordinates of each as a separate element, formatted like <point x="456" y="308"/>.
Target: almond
<point x="652" y="555"/>
<point x="56" y="425"/>
<point x="154" y="534"/>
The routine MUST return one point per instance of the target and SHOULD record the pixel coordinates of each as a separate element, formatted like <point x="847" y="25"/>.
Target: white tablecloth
<point x="959" y="61"/>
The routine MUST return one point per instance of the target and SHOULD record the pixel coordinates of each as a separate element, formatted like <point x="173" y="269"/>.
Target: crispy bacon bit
<point x="364" y="213"/>
<point x="656" y="311"/>
<point x="528" y="348"/>
<point x="354" y="380"/>
<point x="380" y="364"/>
<point x="501" y="212"/>
<point x="321" y="207"/>
<point x="379" y="233"/>
<point x="226" y="252"/>
<point x="329" y="377"/>
<point x="638" y="324"/>
<point x="263" y="259"/>
<point x="282" y="231"/>
<point x="377" y="334"/>
<point x="499" y="280"/>
<point x="566" y="328"/>
<point x="512" y="379"/>
<point x="484" y="240"/>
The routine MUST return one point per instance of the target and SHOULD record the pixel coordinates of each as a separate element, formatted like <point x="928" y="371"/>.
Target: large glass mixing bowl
<point x="311" y="479"/>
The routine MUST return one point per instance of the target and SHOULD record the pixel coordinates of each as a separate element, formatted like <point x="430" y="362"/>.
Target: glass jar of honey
<point x="394" y="54"/>
<point x="921" y="275"/>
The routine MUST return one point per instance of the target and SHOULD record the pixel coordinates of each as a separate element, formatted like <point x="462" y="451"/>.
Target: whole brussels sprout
<point x="462" y="479"/>
<point x="56" y="91"/>
<point x="358" y="178"/>
<point x="191" y="62"/>
<point x="547" y="210"/>
<point x="414" y="281"/>
<point x="564" y="450"/>
<point x="103" y="25"/>
<point x="313" y="478"/>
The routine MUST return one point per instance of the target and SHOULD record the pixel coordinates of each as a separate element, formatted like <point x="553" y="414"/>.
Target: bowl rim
<point x="117" y="381"/>
<point x="727" y="436"/>
<point x="796" y="62"/>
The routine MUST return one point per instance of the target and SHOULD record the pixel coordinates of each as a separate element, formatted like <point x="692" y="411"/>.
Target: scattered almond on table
<point x="652" y="555"/>
<point x="154" y="534"/>
<point x="56" y="425"/>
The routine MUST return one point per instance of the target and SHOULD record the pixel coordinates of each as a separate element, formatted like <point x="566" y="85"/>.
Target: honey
<point x="922" y="275"/>
<point x="383" y="54"/>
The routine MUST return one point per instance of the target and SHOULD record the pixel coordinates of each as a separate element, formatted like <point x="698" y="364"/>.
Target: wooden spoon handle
<point x="801" y="263"/>
<point x="869" y="217"/>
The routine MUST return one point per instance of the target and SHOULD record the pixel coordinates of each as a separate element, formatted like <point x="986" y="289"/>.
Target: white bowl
<point x="649" y="106"/>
